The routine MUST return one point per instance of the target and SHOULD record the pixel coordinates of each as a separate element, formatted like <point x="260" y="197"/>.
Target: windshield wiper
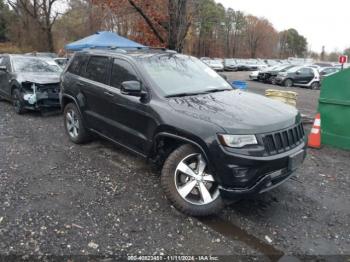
<point x="185" y="94"/>
<point x="217" y="90"/>
<point x="198" y="93"/>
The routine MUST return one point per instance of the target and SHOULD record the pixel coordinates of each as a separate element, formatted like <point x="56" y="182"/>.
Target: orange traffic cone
<point x="315" y="135"/>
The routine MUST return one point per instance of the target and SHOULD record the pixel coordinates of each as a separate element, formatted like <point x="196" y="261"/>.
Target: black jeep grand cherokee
<point x="213" y="142"/>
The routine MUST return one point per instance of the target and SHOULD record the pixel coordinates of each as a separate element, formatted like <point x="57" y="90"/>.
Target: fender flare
<point x="73" y="99"/>
<point x="183" y="139"/>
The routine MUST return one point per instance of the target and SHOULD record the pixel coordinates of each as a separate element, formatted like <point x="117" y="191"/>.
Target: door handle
<point x="80" y="84"/>
<point x="108" y="93"/>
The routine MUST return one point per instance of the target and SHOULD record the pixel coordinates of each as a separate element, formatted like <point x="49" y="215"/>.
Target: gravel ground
<point x="57" y="198"/>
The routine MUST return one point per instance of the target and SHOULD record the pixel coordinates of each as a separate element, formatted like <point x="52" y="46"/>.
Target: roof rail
<point x="164" y="49"/>
<point x="117" y="49"/>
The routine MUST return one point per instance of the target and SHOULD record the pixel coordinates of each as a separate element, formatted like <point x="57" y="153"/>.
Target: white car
<point x="254" y="75"/>
<point x="215" y="64"/>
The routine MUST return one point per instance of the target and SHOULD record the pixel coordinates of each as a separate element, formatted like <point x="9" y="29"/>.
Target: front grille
<point x="282" y="141"/>
<point x="52" y="88"/>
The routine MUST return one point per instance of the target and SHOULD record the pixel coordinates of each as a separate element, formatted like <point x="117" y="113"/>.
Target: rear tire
<point x="315" y="86"/>
<point x="288" y="83"/>
<point x="197" y="196"/>
<point x="74" y="126"/>
<point x="17" y="101"/>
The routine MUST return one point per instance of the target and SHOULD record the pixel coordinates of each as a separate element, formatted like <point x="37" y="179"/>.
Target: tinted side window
<point x="305" y="71"/>
<point x="309" y="71"/>
<point x="97" y="69"/>
<point x="74" y="67"/>
<point x="121" y="71"/>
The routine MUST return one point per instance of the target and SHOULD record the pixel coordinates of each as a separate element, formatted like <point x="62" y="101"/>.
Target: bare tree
<point x="148" y="20"/>
<point x="179" y="23"/>
<point x="42" y="12"/>
<point x="258" y="30"/>
<point x="168" y="21"/>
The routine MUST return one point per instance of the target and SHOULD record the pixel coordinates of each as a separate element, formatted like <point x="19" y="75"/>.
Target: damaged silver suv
<point x="29" y="82"/>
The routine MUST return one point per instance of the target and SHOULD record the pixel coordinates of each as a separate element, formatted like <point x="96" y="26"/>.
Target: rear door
<point x="303" y="76"/>
<point x="308" y="75"/>
<point x="96" y="95"/>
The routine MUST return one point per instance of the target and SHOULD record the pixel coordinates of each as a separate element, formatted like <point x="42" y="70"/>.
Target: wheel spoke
<point x="186" y="170"/>
<point x="69" y="116"/>
<point x="75" y="131"/>
<point x="187" y="188"/>
<point x="70" y="127"/>
<point x="206" y="197"/>
<point x="208" y="178"/>
<point x="201" y="164"/>
<point x="76" y="124"/>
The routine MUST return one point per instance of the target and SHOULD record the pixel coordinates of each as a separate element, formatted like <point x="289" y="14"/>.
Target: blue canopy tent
<point x="102" y="40"/>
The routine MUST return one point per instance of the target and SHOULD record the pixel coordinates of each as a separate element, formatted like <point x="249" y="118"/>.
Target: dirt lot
<point x="57" y="198"/>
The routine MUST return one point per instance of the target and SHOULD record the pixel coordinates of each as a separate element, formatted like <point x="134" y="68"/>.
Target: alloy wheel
<point x="314" y="86"/>
<point x="193" y="182"/>
<point x="288" y="83"/>
<point x="72" y="122"/>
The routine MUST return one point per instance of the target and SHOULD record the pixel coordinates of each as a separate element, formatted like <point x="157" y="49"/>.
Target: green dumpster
<point x="334" y="107"/>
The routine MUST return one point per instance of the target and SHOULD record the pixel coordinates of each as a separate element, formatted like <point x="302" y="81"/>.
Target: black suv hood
<point x="238" y="112"/>
<point x="38" y="78"/>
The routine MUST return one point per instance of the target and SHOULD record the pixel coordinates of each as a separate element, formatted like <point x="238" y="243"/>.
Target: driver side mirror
<point x="132" y="88"/>
<point x="3" y="68"/>
<point x="297" y="72"/>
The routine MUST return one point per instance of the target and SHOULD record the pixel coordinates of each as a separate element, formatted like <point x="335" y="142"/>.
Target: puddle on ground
<point x="231" y="231"/>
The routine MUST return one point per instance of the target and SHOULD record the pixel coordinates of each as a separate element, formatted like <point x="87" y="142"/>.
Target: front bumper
<point x="230" y="68"/>
<point x="266" y="183"/>
<point x="279" y="80"/>
<point x="241" y="175"/>
<point x="218" y="68"/>
<point x="41" y="99"/>
<point x="253" y="77"/>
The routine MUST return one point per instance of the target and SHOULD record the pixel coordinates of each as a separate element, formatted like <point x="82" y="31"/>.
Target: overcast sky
<point x="321" y="22"/>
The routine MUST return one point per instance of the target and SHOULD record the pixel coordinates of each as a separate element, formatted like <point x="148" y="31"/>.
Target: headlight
<point x="237" y="141"/>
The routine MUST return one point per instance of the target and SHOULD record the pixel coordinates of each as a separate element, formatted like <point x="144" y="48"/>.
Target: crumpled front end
<point x="37" y="96"/>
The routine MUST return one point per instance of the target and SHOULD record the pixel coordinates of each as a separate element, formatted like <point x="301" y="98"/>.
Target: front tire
<point x="288" y="83"/>
<point x="273" y="81"/>
<point x="188" y="183"/>
<point x="74" y="125"/>
<point x="17" y="101"/>
<point x="315" y="86"/>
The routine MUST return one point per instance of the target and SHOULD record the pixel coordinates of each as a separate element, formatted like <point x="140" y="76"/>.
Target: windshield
<point x="33" y="65"/>
<point x="283" y="68"/>
<point x="294" y="69"/>
<point x="176" y="74"/>
<point x="53" y="64"/>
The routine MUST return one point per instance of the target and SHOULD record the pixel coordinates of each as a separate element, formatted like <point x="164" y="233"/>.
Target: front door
<point x="304" y="76"/>
<point x="133" y="119"/>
